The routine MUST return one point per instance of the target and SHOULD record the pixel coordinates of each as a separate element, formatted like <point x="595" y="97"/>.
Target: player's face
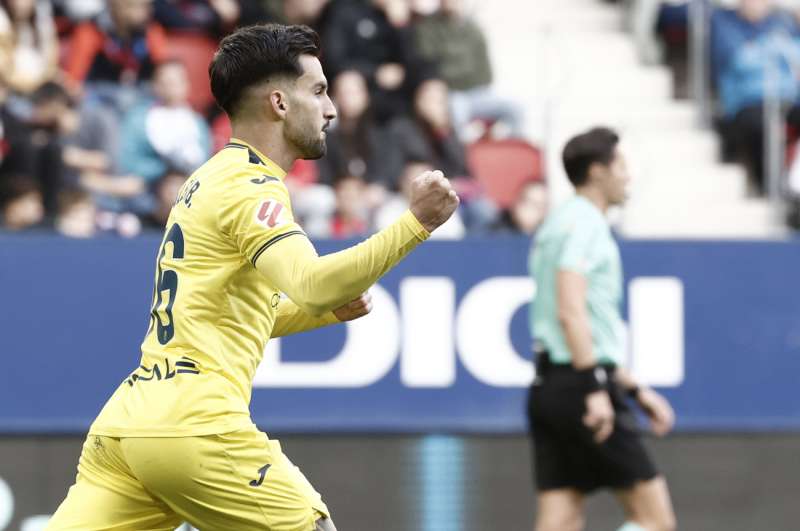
<point x="310" y="112"/>
<point x="617" y="179"/>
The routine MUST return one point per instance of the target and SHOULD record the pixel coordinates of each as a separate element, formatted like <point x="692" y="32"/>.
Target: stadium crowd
<point x="751" y="44"/>
<point x="103" y="114"/>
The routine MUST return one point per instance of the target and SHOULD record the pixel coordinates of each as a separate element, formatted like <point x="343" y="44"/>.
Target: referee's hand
<point x="599" y="415"/>
<point x="662" y="417"/>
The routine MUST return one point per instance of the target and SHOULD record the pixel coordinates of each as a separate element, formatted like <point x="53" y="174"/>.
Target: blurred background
<point x="412" y="418"/>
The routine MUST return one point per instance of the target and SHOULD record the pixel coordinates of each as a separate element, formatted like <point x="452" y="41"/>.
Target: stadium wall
<point x="473" y="483"/>
<point x="716" y="325"/>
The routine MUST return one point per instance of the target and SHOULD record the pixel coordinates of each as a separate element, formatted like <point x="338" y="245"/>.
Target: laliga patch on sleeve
<point x="270" y="213"/>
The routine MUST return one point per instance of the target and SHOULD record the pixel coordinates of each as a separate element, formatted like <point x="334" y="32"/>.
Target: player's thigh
<point x="559" y="510"/>
<point x="106" y="495"/>
<point x="239" y="480"/>
<point x="648" y="503"/>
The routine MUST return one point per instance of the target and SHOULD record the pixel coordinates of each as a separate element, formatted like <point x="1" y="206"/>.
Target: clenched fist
<point x="433" y="199"/>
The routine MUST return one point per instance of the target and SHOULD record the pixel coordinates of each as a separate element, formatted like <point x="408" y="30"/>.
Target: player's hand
<point x="662" y="417"/>
<point x="354" y="309"/>
<point x="433" y="199"/>
<point x="599" y="415"/>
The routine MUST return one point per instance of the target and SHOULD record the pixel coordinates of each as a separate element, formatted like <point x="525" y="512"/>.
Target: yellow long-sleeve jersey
<point x="230" y="248"/>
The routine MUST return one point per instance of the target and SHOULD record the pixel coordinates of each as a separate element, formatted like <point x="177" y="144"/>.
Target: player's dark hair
<point x="253" y="54"/>
<point x="594" y="146"/>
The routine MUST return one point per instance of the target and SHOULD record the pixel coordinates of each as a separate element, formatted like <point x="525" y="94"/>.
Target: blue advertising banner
<point x="715" y="325"/>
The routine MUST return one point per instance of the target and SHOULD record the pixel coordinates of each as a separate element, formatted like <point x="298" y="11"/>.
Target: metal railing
<point x="774" y="119"/>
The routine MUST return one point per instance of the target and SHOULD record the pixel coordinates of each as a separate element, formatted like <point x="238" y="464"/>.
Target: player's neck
<point x="595" y="196"/>
<point x="266" y="140"/>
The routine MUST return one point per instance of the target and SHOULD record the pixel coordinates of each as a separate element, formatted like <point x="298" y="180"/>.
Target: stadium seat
<point x="501" y="166"/>
<point x="196" y="52"/>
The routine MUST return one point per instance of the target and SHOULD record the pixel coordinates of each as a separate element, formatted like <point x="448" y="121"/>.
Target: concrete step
<point x="645" y="87"/>
<point x="583" y="14"/>
<point x="634" y="117"/>
<point x="675" y="148"/>
<point x="707" y="185"/>
<point x="753" y="218"/>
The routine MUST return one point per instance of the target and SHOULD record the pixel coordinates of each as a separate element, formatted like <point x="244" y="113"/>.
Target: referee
<point x="584" y="434"/>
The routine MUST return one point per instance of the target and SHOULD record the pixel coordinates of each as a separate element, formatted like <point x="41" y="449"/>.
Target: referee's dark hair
<point x="594" y="146"/>
<point x="254" y="54"/>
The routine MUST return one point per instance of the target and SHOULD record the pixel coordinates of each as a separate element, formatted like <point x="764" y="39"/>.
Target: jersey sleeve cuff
<point x="330" y="318"/>
<point x="275" y="239"/>
<point x="410" y="220"/>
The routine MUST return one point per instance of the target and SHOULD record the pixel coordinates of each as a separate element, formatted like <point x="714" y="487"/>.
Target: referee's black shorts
<point x="565" y="454"/>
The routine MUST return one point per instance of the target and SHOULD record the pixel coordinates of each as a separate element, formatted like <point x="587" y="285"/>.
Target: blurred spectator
<point x="429" y="135"/>
<point x="166" y="192"/>
<point x="76" y="214"/>
<point x="357" y="146"/>
<point x="77" y="150"/>
<point x="374" y="38"/>
<point x="350" y="218"/>
<point x="660" y="30"/>
<point x="215" y="18"/>
<point x="164" y="134"/>
<point x="117" y="51"/>
<point x="306" y="12"/>
<point x="28" y="44"/>
<point x="527" y="212"/>
<point x="16" y="150"/>
<point x="21" y="204"/>
<point x="454" y="42"/>
<point x="746" y="42"/>
<point x="394" y="207"/>
<point x="79" y="10"/>
<point x="47" y="121"/>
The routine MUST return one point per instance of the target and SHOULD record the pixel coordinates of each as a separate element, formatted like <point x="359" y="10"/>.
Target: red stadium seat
<point x="501" y="166"/>
<point x="195" y="51"/>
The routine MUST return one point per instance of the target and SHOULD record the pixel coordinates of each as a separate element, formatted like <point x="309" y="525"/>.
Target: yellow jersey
<point x="213" y="311"/>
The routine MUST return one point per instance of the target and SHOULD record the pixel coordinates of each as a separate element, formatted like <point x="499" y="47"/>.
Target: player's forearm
<point x="291" y="319"/>
<point x="320" y="284"/>
<point x="578" y="336"/>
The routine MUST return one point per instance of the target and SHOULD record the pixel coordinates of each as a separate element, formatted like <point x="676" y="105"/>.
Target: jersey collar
<point x="256" y="157"/>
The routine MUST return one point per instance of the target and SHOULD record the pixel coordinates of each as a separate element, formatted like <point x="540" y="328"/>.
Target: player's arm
<point x="290" y="319"/>
<point x="319" y="284"/>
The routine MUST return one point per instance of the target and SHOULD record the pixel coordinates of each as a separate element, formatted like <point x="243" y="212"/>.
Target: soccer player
<point x="584" y="433"/>
<point x="175" y="442"/>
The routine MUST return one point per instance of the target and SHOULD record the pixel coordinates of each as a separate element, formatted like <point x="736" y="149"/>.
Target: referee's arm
<point x="573" y="317"/>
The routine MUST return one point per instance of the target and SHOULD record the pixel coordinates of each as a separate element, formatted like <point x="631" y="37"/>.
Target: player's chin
<point x="316" y="151"/>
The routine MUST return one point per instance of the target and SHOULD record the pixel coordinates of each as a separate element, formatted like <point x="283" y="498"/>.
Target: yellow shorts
<point x="234" y="481"/>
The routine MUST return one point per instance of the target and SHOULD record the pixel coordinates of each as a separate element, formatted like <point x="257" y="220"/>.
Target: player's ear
<point x="596" y="172"/>
<point x="279" y="103"/>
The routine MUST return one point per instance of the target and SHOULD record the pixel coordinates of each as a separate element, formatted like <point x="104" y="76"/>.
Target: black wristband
<point x="592" y="378"/>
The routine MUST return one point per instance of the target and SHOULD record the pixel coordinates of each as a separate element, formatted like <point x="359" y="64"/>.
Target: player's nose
<point x="329" y="110"/>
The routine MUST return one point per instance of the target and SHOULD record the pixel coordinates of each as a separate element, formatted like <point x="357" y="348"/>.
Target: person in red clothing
<point x="122" y="46"/>
<point x="350" y="218"/>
